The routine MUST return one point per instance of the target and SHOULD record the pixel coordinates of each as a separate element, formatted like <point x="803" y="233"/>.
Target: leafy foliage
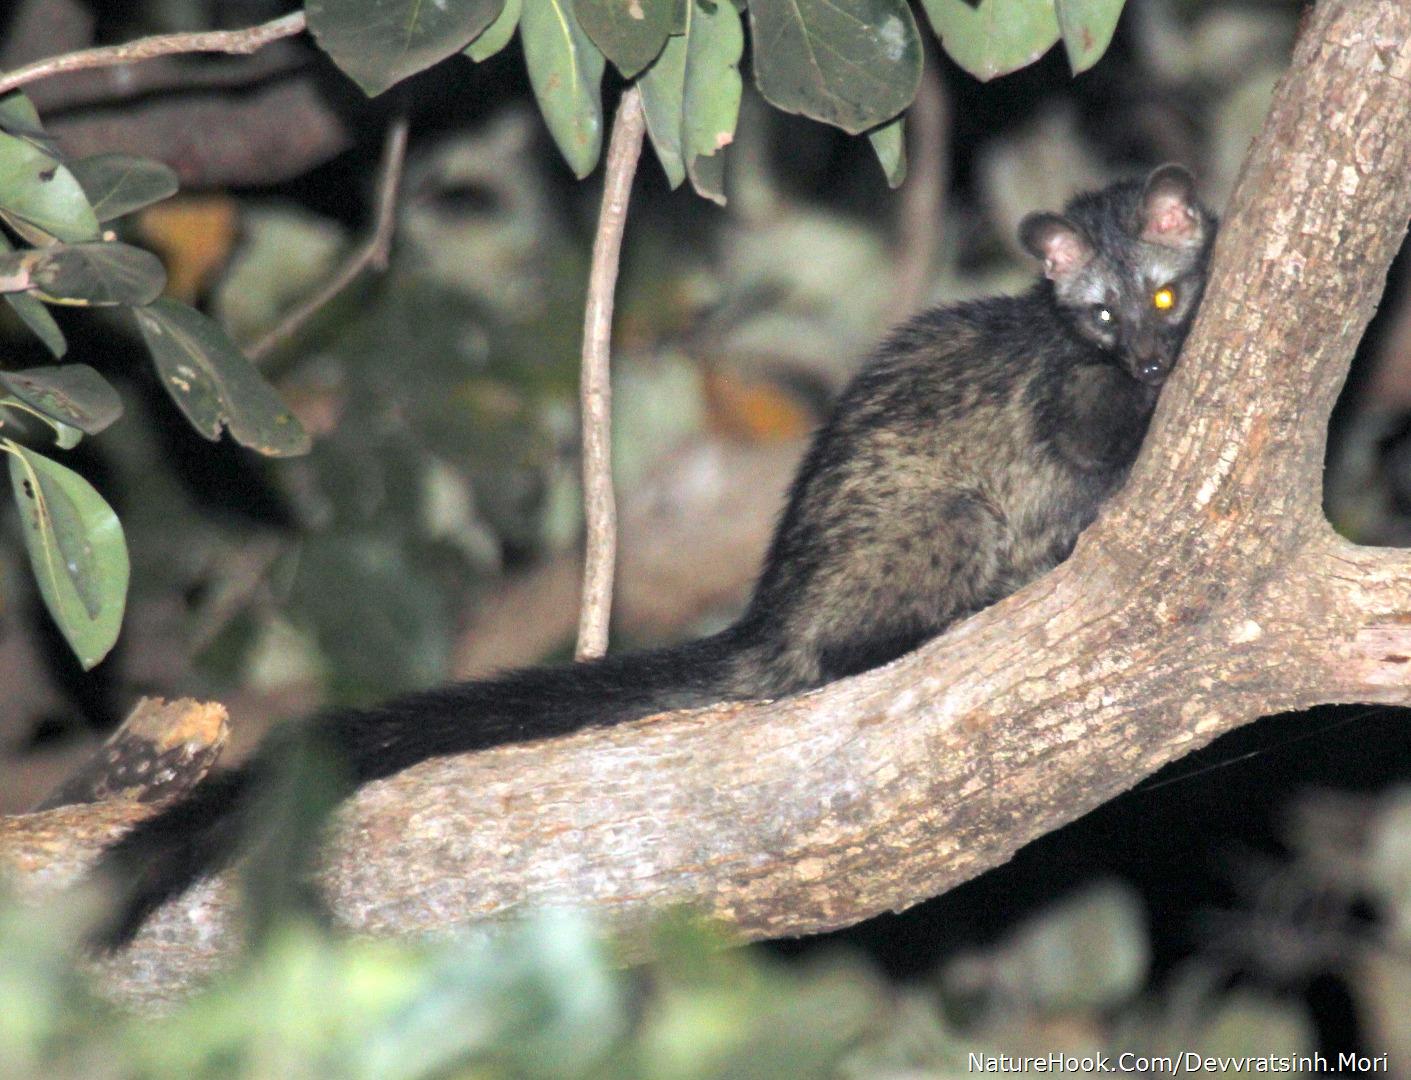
<point x="855" y="64"/>
<point x="545" y="999"/>
<point x="54" y="207"/>
<point x="692" y="97"/>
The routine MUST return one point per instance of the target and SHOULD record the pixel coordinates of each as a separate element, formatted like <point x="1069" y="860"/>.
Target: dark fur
<point x="960" y="463"/>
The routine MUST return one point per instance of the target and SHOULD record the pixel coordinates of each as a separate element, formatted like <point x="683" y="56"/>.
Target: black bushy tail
<point x="202" y="832"/>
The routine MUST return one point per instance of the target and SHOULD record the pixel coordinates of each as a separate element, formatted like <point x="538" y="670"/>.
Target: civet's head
<point x="1127" y="265"/>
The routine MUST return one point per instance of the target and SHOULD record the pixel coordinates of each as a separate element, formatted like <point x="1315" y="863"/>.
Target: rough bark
<point x="1211" y="592"/>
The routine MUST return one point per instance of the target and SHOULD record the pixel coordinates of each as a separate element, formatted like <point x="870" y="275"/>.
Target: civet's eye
<point x="1164" y="298"/>
<point x="1102" y="314"/>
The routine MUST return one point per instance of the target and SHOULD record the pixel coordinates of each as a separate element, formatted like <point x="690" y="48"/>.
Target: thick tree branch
<point x="1211" y="592"/>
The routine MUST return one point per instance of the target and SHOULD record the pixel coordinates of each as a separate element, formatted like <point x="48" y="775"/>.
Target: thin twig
<point x="244" y="573"/>
<point x="923" y="197"/>
<point x="599" y="508"/>
<point x="372" y="252"/>
<point x="221" y="41"/>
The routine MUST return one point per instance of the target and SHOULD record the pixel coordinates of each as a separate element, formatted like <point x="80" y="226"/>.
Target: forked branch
<point x="1210" y="593"/>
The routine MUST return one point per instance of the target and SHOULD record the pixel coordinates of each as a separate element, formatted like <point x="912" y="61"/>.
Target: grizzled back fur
<point x="966" y="456"/>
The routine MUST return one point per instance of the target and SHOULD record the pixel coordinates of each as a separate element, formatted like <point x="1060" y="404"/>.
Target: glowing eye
<point x="1164" y="298"/>
<point x="1103" y="315"/>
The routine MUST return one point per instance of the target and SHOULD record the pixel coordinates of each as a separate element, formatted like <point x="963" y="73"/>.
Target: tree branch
<point x="238" y="42"/>
<point x="599" y="508"/>
<point x="1209" y="593"/>
<point x="372" y="252"/>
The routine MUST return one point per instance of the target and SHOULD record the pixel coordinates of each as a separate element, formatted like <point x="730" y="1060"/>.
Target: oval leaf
<point x="72" y="393"/>
<point x="497" y="35"/>
<point x="18" y="116"/>
<point x="630" y="33"/>
<point x="851" y="63"/>
<point x="565" y="69"/>
<point x="117" y="184"/>
<point x="711" y="101"/>
<point x="995" y="37"/>
<point x="380" y="42"/>
<point x="663" y="85"/>
<point x="38" y="190"/>
<point x="1087" y="27"/>
<point x="76" y="548"/>
<point x="34" y="314"/>
<point x="691" y="97"/>
<point x="214" y="384"/>
<point x="101" y="274"/>
<point x="889" y="143"/>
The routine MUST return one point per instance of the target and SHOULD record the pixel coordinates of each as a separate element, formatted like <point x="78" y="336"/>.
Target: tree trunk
<point x="1212" y="591"/>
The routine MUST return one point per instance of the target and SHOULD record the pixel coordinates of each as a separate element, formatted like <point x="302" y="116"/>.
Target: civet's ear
<point x="1061" y="245"/>
<point x="1170" y="215"/>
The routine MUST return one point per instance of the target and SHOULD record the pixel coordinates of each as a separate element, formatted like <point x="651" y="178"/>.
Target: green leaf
<point x="32" y="311"/>
<point x="72" y="393"/>
<point x="76" y="548"/>
<point x="497" y="35"/>
<point x="663" y="85"/>
<point x="65" y="436"/>
<point x="711" y="101"/>
<point x="117" y="184"/>
<point x="18" y="116"/>
<point x="995" y="37"/>
<point x="35" y="315"/>
<point x="889" y="143"/>
<point x="214" y="384"/>
<point x="40" y="191"/>
<point x="680" y="16"/>
<point x="630" y="33"/>
<point x="851" y="63"/>
<point x="566" y="70"/>
<point x="1087" y="27"/>
<point x="691" y="96"/>
<point x="378" y="43"/>
<point x="101" y="274"/>
<point x="17" y="113"/>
